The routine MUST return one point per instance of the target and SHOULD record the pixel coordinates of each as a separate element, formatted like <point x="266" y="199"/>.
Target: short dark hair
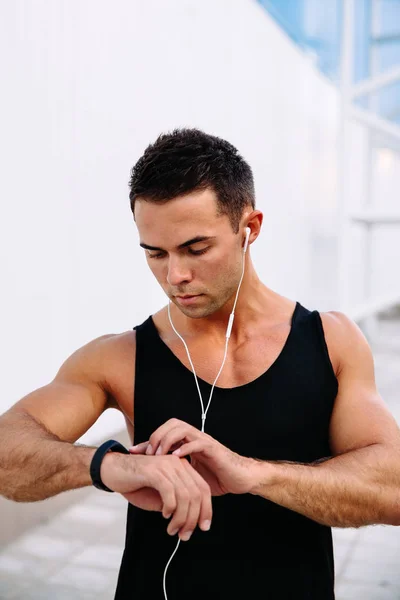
<point x="187" y="160"/>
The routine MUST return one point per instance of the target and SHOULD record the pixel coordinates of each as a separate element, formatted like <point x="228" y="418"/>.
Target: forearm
<point x="361" y="487"/>
<point x="35" y="464"/>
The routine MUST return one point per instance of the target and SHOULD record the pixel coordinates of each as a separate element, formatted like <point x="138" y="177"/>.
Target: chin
<point x="195" y="312"/>
<point x="192" y="311"/>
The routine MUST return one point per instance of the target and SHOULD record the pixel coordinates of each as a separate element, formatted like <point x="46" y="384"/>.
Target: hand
<point x="223" y="470"/>
<point x="161" y="483"/>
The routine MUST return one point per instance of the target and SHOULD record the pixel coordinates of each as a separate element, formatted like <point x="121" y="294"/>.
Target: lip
<point x="187" y="299"/>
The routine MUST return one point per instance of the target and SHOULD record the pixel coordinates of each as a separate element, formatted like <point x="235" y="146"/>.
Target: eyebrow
<point x="199" y="238"/>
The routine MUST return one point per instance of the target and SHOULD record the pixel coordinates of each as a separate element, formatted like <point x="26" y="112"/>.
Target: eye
<point x="198" y="252"/>
<point x="155" y="255"/>
<point x="194" y="252"/>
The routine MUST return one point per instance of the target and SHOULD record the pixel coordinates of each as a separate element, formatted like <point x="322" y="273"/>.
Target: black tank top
<point x="255" y="548"/>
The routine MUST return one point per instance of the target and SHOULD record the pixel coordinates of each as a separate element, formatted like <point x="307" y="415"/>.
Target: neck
<point x="255" y="302"/>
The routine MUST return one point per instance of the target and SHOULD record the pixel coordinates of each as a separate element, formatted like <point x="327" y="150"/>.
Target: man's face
<point x="211" y="267"/>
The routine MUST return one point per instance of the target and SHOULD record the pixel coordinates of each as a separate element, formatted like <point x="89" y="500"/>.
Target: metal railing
<point x="369" y="217"/>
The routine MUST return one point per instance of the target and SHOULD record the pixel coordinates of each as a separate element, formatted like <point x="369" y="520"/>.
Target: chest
<point x="243" y="364"/>
<point x="273" y="399"/>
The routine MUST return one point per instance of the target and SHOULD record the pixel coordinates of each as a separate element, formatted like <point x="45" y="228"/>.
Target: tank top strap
<point x="308" y="339"/>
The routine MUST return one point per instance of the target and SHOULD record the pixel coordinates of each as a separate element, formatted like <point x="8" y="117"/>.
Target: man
<point x="294" y="441"/>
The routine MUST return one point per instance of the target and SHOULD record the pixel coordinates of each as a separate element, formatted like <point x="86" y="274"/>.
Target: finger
<point x="182" y="494"/>
<point x="170" y="437"/>
<point x="175" y="447"/>
<point x="179" y="435"/>
<point x="160" y="432"/>
<point x="191" y="518"/>
<point x="165" y="486"/>
<point x="206" y="511"/>
<point x="139" y="448"/>
<point x="163" y="430"/>
<point x="190" y="448"/>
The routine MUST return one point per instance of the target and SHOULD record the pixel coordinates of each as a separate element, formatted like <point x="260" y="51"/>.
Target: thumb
<point x="139" y="448"/>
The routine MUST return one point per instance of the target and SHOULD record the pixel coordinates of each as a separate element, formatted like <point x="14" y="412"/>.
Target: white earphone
<point x="248" y="231"/>
<point x="204" y="412"/>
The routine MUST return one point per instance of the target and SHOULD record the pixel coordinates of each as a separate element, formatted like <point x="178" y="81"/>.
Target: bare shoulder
<point x="360" y="416"/>
<point x="92" y="357"/>
<point x="347" y="345"/>
<point x="88" y="382"/>
<point x="108" y="360"/>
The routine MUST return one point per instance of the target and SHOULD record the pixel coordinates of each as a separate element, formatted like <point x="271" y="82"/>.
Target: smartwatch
<point x="109" y="446"/>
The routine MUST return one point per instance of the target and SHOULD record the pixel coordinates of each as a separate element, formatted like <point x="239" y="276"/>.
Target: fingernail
<point x="149" y="449"/>
<point x="178" y="451"/>
<point x="186" y="536"/>
<point x="206" y="525"/>
<point x="159" y="450"/>
<point x="174" y="532"/>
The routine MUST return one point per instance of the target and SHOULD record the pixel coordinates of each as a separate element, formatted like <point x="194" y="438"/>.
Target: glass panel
<point x="312" y="24"/>
<point x="315" y="25"/>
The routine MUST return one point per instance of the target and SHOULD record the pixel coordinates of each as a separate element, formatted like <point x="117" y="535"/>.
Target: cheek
<point x="218" y="272"/>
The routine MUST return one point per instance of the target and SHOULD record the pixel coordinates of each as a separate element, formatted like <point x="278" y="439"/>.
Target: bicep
<point x="360" y="417"/>
<point x="70" y="404"/>
<point x="67" y="410"/>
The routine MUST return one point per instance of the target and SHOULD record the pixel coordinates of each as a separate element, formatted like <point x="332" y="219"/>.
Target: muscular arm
<point x="35" y="464"/>
<point x="38" y="458"/>
<point x="358" y="488"/>
<point x="360" y="484"/>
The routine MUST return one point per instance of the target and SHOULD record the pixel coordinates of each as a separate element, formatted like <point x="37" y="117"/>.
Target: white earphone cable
<point x="204" y="412"/>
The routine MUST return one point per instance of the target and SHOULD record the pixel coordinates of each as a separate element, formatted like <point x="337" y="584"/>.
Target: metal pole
<point x="380" y="80"/>
<point x="346" y="80"/>
<point x="370" y="324"/>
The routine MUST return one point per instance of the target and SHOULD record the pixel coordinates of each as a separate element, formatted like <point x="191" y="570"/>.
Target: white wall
<point x="86" y="86"/>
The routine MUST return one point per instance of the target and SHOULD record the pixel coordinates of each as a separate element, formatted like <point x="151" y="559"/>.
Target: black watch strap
<point x="109" y="446"/>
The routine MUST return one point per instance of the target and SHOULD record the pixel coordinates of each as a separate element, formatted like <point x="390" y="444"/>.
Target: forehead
<point x="194" y="211"/>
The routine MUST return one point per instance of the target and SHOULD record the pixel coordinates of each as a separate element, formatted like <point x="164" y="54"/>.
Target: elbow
<point x="393" y="512"/>
<point x="394" y="519"/>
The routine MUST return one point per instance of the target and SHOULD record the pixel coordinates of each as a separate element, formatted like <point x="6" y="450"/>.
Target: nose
<point x="178" y="273"/>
